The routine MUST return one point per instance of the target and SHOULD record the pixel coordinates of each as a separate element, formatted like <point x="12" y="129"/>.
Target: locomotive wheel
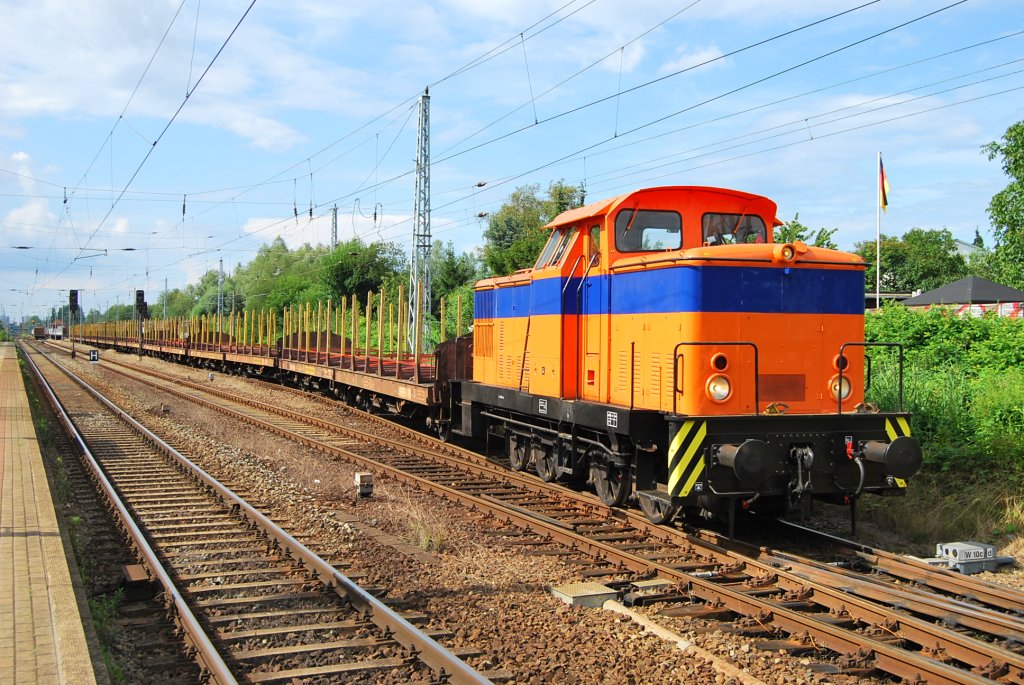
<point x="612" y="483"/>
<point x="517" y="452"/>
<point x="657" y="511"/>
<point x="545" y="463"/>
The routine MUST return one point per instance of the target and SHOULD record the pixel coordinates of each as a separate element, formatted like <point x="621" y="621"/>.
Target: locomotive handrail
<point x="571" y="272"/>
<point x="586" y="275"/>
<point x="579" y="320"/>
<point x="675" y="369"/>
<point x="842" y="348"/>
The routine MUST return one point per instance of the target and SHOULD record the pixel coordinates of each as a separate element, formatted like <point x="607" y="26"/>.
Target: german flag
<point x="883" y="186"/>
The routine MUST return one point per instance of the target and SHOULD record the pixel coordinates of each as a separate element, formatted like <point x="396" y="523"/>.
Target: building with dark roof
<point x="973" y="295"/>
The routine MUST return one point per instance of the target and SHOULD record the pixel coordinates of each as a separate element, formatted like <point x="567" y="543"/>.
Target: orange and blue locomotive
<point x="664" y="348"/>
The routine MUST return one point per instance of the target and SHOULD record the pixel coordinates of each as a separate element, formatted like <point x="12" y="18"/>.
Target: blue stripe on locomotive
<point x="684" y="289"/>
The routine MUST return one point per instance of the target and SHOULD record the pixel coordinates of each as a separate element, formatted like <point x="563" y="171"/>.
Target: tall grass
<point x="425" y="524"/>
<point x="966" y="421"/>
<point x="933" y="511"/>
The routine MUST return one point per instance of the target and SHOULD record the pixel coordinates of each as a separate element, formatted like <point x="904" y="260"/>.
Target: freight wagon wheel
<point x="444" y="431"/>
<point x="545" y="462"/>
<point x="658" y="511"/>
<point x="612" y="483"/>
<point x="517" y="452"/>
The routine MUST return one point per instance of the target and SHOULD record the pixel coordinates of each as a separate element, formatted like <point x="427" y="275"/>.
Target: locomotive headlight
<point x="718" y="388"/>
<point x="784" y="252"/>
<point x="837" y="389"/>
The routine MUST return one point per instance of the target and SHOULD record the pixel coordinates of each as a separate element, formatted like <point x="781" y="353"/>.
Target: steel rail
<point x="966" y="616"/>
<point x="207" y="655"/>
<point x="889" y="658"/>
<point x="920" y="572"/>
<point x="912" y="629"/>
<point x="908" y="596"/>
<point x="941" y="579"/>
<point x="449" y="667"/>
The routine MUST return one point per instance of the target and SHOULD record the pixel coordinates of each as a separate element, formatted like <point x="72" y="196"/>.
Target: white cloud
<point x="25" y="220"/>
<point x="686" y="58"/>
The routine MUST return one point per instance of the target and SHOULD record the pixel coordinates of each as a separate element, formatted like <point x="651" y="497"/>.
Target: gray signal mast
<point x="419" y="273"/>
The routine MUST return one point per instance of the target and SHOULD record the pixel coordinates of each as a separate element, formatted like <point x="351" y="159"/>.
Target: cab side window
<point x="648" y="230"/>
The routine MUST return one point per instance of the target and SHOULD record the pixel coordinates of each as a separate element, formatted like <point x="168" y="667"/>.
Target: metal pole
<point x="334" y="227"/>
<point x="419" y="273"/>
<point x="878" y="234"/>
<point x="220" y="291"/>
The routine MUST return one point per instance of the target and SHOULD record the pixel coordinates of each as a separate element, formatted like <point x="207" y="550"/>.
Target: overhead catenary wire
<point x="159" y="137"/>
<point x="806" y="120"/>
<point x="393" y="227"/>
<point x="412" y="99"/>
<point x="248" y="188"/>
<point x="163" y="196"/>
<point x="678" y="72"/>
<point x="375" y="185"/>
<point x="594" y="146"/>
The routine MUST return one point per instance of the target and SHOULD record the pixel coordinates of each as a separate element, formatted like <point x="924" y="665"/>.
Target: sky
<point x="142" y="143"/>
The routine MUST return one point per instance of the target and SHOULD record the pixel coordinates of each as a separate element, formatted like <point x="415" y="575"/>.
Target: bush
<point x="938" y="337"/>
<point x="962" y="383"/>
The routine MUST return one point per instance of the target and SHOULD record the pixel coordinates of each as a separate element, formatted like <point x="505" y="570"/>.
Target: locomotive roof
<point x="604" y="206"/>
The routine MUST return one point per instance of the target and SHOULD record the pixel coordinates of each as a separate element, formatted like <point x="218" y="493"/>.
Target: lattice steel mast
<point x="419" y="273"/>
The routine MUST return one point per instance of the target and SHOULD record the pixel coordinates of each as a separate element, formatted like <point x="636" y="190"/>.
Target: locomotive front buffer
<point x="780" y="464"/>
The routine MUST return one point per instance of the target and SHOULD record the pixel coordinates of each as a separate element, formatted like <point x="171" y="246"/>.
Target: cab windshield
<point x="731" y="229"/>
<point x="555" y="248"/>
<point x="648" y="230"/>
<point x="549" y="248"/>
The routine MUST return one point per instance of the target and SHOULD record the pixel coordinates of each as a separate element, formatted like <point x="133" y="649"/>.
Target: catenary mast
<point x="419" y="274"/>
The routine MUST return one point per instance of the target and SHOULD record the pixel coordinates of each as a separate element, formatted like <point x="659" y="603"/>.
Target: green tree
<point x="449" y="271"/>
<point x="293" y="289"/>
<point x="204" y="293"/>
<point x="1006" y="210"/>
<point x="118" y="312"/>
<point x="253" y="283"/>
<point x="920" y="260"/>
<point x="256" y="279"/>
<point x="356" y="268"/>
<point x="179" y="303"/>
<point x="794" y="230"/>
<point x="512" y="239"/>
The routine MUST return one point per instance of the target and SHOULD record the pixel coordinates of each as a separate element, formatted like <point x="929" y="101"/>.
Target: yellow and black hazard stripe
<point x="686" y="458"/>
<point x="895" y="428"/>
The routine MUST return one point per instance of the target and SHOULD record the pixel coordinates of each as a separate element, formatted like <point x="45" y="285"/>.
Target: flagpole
<point x="878" y="232"/>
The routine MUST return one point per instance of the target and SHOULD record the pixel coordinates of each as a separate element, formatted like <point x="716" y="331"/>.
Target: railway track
<point x="794" y="603"/>
<point x="255" y="604"/>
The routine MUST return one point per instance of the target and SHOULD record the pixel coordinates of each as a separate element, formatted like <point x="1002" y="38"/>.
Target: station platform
<point x="42" y="638"/>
